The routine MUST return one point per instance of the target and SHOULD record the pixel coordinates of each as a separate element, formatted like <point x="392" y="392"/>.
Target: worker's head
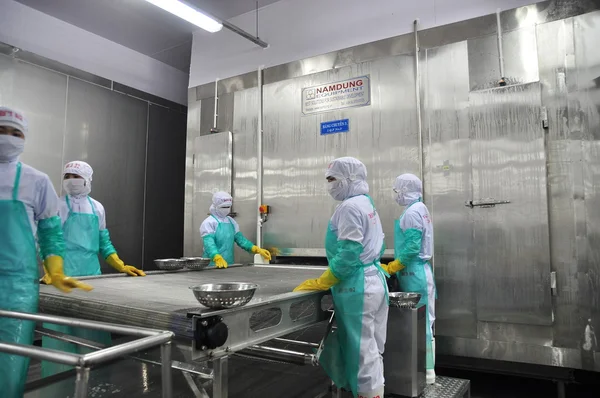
<point x="408" y="188"/>
<point x="221" y="204"/>
<point x="77" y="178"/>
<point x="346" y="177"/>
<point x="13" y="127"/>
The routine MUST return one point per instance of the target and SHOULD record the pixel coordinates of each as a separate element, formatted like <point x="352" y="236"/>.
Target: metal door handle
<point x="485" y="203"/>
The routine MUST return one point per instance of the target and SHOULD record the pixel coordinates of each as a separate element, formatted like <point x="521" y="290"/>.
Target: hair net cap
<point x="409" y="188"/>
<point x="347" y="167"/>
<point x="79" y="168"/>
<point x="13" y="118"/>
<point x="350" y="175"/>
<point x="222" y="199"/>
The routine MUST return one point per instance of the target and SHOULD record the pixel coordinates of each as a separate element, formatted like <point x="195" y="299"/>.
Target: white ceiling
<point x="141" y="26"/>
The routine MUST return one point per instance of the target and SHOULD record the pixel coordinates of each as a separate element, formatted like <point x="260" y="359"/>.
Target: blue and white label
<point x="335" y="126"/>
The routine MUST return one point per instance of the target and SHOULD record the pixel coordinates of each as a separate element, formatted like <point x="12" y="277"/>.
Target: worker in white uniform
<point x="353" y="355"/>
<point x="219" y="232"/>
<point x="413" y="249"/>
<point x="28" y="209"/>
<point x="86" y="237"/>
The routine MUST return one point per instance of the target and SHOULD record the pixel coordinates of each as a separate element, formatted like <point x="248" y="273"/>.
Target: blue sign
<point x="335" y="126"/>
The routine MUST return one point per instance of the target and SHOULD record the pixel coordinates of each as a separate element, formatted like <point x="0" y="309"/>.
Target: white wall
<point x="297" y="29"/>
<point x="33" y="31"/>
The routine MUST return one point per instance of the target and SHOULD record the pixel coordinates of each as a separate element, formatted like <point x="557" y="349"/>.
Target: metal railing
<point x="83" y="362"/>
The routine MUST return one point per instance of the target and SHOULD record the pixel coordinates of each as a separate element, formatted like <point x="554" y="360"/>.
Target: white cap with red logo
<point x="12" y="118"/>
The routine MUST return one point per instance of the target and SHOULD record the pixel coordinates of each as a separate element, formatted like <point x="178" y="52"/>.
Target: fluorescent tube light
<point x="186" y="12"/>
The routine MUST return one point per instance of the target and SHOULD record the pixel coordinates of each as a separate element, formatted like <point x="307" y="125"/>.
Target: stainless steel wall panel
<point x="520" y="59"/>
<point x="382" y="135"/>
<point x="212" y="173"/>
<point x="445" y="83"/>
<point x="225" y="113"/>
<point x="517" y="18"/>
<point x="108" y="130"/>
<point x="584" y="109"/>
<point x="165" y="185"/>
<point x="555" y="46"/>
<point x="207" y="112"/>
<point x="41" y="95"/>
<point x="193" y="132"/>
<point x="245" y="123"/>
<point x="511" y="240"/>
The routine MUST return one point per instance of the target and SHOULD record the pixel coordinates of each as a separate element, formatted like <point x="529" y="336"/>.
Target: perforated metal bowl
<point x="404" y="300"/>
<point x="224" y="295"/>
<point x="196" y="263"/>
<point x="169" y="264"/>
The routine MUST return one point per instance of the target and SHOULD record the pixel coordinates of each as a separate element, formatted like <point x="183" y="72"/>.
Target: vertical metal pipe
<point x="418" y="99"/>
<point x="500" y="51"/>
<point x="81" y="382"/>
<point x="167" y="381"/>
<point x="215" y="116"/>
<point x="221" y="375"/>
<point x="560" y="389"/>
<point x="259" y="158"/>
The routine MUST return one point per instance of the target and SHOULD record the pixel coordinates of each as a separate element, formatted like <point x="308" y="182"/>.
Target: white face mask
<point x="10" y="148"/>
<point x="76" y="186"/>
<point x="337" y="189"/>
<point x="223" y="211"/>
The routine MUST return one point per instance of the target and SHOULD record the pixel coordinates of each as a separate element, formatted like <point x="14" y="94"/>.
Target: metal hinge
<point x="486" y="203"/>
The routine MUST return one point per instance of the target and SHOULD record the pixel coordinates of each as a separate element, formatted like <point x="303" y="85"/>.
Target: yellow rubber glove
<point x="393" y="267"/>
<point x="114" y="261"/>
<point x="46" y="280"/>
<point x="324" y="282"/>
<point x="219" y="261"/>
<point x="54" y="265"/>
<point x="264" y="253"/>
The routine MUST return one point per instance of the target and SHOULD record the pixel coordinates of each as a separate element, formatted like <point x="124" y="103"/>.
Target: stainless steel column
<point x="167" y="380"/>
<point x="81" y="383"/>
<point x="220" y="380"/>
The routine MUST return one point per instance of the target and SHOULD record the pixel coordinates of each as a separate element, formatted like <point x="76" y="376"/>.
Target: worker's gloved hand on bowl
<point x="114" y="261"/>
<point x="324" y="282"/>
<point x="219" y="261"/>
<point x="263" y="252"/>
<point x="54" y="266"/>
<point x="393" y="267"/>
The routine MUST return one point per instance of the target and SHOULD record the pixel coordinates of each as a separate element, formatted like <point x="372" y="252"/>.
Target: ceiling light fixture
<point x="188" y="13"/>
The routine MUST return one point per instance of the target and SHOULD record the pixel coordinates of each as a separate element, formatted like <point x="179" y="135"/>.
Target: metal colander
<point x="196" y="263"/>
<point x="404" y="300"/>
<point x="220" y="296"/>
<point x="169" y="264"/>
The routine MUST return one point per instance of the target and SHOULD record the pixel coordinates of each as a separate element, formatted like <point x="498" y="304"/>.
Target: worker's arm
<point x="207" y="232"/>
<point x="413" y="227"/>
<point x="246" y="245"/>
<point x="250" y="247"/>
<point x="50" y="238"/>
<point x="108" y="251"/>
<point x="346" y="260"/>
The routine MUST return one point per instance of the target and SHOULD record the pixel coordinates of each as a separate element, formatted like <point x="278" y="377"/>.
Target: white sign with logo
<point x="338" y="95"/>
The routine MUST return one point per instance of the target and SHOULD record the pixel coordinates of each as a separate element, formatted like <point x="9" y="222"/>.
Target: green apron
<point x="413" y="279"/>
<point x="19" y="288"/>
<point x="224" y="237"/>
<point x="82" y="240"/>
<point x="341" y="350"/>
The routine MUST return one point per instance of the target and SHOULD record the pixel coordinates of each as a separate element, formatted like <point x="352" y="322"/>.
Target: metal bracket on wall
<point x="485" y="203"/>
<point x="553" y="288"/>
<point x="544" y="117"/>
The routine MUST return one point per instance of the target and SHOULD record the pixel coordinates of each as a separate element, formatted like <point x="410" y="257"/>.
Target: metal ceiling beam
<point x="254" y="39"/>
